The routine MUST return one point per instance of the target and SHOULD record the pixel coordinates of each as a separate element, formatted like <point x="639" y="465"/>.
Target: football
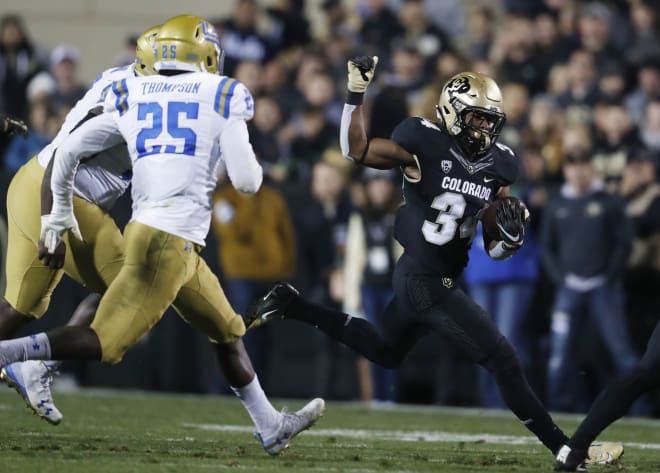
<point x="489" y="220"/>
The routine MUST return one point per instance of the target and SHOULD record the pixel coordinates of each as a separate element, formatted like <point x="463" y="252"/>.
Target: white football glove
<point x="360" y="72"/>
<point x="53" y="227"/>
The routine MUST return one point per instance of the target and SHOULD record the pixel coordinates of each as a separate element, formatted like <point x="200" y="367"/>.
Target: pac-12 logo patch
<point x="445" y="165"/>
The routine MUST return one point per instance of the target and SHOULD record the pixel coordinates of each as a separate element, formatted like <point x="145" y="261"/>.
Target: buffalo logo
<point x="445" y="165"/>
<point x="460" y="85"/>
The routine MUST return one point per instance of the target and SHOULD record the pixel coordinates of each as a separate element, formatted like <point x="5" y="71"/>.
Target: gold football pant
<point x="161" y="269"/>
<point x="94" y="262"/>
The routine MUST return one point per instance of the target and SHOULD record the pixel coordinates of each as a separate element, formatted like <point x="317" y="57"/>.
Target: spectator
<point x="319" y="92"/>
<point x="646" y="40"/>
<point x="581" y="92"/>
<point x="447" y="15"/>
<point x="41" y="87"/>
<point x="337" y="20"/>
<point x="320" y="208"/>
<point x="277" y="83"/>
<point x="543" y="135"/>
<point x="551" y="47"/>
<point x="428" y="40"/>
<point x="290" y="27"/>
<point x="256" y="249"/>
<point x="20" y="61"/>
<point x="642" y="278"/>
<point x="515" y="97"/>
<point x="616" y="138"/>
<point x="371" y="252"/>
<point x="650" y="128"/>
<point x="64" y="68"/>
<point x="127" y="55"/>
<point x="586" y="239"/>
<point x="43" y="124"/>
<point x="594" y="32"/>
<point x="611" y="81"/>
<point x="481" y="32"/>
<point x="263" y="130"/>
<point x="241" y="39"/>
<point x="648" y="87"/>
<point x="402" y="88"/>
<point x="379" y="27"/>
<point x="313" y="134"/>
<point x="513" y="53"/>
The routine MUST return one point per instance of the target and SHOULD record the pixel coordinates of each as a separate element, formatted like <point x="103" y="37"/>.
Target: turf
<point x="123" y="432"/>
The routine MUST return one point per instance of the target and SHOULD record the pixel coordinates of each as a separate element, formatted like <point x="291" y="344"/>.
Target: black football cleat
<point x="569" y="459"/>
<point x="271" y="306"/>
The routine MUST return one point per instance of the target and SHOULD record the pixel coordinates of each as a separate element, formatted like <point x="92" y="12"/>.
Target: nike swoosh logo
<point x="514" y="239"/>
<point x="265" y="315"/>
<point x="488" y="179"/>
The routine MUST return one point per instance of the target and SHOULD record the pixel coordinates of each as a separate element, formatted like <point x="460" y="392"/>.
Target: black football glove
<point x="510" y="217"/>
<point x="12" y="126"/>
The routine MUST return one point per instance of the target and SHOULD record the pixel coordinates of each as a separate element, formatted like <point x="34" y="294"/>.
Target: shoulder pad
<point x="507" y="163"/>
<point x="233" y="99"/>
<point x="116" y="99"/>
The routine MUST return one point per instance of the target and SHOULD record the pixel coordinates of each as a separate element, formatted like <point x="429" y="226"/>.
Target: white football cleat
<point x="291" y="424"/>
<point x="32" y="379"/>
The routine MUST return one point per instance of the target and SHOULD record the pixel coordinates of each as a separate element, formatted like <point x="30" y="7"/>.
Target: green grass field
<point x="143" y="432"/>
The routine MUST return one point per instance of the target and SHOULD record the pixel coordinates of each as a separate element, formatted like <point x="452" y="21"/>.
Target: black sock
<point x="523" y="402"/>
<point x="354" y="332"/>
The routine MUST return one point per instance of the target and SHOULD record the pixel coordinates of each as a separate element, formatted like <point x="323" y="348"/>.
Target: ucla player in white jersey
<point x="94" y="261"/>
<point x="178" y="126"/>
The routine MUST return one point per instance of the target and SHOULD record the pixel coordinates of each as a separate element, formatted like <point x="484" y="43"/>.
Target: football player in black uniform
<point x="612" y="404"/>
<point x="452" y="170"/>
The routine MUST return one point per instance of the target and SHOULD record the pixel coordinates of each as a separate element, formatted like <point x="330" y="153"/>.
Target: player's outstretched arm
<point x="377" y="153"/>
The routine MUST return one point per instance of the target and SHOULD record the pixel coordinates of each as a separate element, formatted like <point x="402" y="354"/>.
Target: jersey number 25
<point x="153" y="133"/>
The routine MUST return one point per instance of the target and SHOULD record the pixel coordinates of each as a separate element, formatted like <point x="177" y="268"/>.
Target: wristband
<point x="354" y="98"/>
<point x="502" y="251"/>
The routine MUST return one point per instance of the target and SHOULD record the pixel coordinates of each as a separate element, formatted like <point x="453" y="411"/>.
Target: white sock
<point x="34" y="347"/>
<point x="262" y="412"/>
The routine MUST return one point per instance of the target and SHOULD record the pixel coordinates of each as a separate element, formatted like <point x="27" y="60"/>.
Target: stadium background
<point x="513" y="40"/>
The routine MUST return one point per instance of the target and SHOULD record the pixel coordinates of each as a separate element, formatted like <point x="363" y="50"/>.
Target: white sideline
<point x="407" y="436"/>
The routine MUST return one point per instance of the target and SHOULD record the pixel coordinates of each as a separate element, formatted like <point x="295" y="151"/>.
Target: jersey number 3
<point x="451" y="207"/>
<point x="172" y="113"/>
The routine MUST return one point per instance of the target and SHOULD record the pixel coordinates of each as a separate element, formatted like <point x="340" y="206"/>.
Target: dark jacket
<point x="587" y="235"/>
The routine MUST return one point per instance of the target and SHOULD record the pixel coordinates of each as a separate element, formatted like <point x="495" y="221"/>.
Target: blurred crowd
<point x="581" y="89"/>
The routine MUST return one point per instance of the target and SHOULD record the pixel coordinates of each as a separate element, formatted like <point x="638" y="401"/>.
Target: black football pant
<point x="425" y="301"/>
<point x="615" y="400"/>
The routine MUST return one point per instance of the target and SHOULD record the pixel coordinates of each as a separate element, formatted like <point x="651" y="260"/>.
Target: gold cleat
<point x="604" y="453"/>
